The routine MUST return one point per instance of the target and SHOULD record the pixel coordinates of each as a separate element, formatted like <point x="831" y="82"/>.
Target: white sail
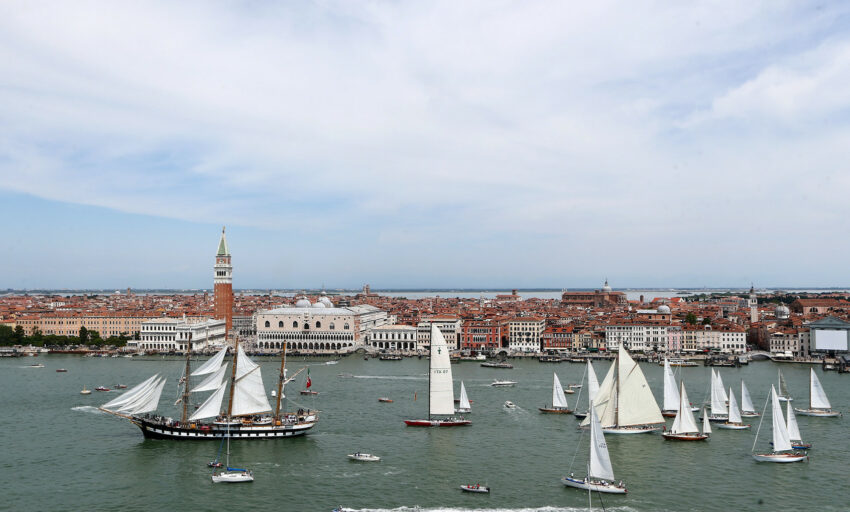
<point x="464" y="400"/>
<point x="131" y="394"/>
<point x="146" y="402"/>
<point x="706" y="425"/>
<point x="718" y="402"/>
<point x="721" y="388"/>
<point x="605" y="401"/>
<point x="635" y="403"/>
<point x="746" y="401"/>
<point x="817" y="396"/>
<point x="783" y="387"/>
<point x="441" y="390"/>
<point x="734" y="413"/>
<point x="211" y="407"/>
<point x="793" y="428"/>
<point x="781" y="440"/>
<point x="600" y="462"/>
<point x="592" y="383"/>
<point x="559" y="400"/>
<point x="249" y="394"/>
<point x="684" y="422"/>
<point x="671" y="393"/>
<point x="212" y="365"/>
<point x="212" y="382"/>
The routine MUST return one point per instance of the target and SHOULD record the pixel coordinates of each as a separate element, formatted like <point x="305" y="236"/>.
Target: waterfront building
<point x="173" y="334"/>
<point x="450" y="327"/>
<point x="223" y="283"/>
<point x="790" y="341"/>
<point x="483" y="334"/>
<point x="393" y="337"/>
<point x="525" y="333"/>
<point x="560" y="338"/>
<point x="597" y="298"/>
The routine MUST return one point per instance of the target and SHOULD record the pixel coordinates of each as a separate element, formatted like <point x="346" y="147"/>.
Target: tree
<point x="691" y="318"/>
<point x="19" y="334"/>
<point x="706" y="321"/>
<point x="84" y="335"/>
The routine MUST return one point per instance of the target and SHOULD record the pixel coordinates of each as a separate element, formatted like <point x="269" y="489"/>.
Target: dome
<point x="319" y="305"/>
<point x="605" y="287"/>
<point x="302" y="302"/>
<point x="664" y="309"/>
<point x="782" y="311"/>
<point x="326" y="301"/>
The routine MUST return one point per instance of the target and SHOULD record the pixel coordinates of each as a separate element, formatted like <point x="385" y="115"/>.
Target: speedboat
<point x="475" y="488"/>
<point x="120" y="386"/>
<point x="214" y="464"/>
<point x="385" y="400"/>
<point x="308" y="392"/>
<point x="503" y="383"/>
<point x="36" y="365"/>
<point x="569" y="391"/>
<point x="509" y="404"/>
<point x="102" y="388"/>
<point x="363" y="457"/>
<point x="233" y="476"/>
<point x="61" y="370"/>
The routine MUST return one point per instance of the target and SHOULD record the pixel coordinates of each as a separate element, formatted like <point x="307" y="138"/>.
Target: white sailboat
<point x="719" y="410"/>
<point x="735" y="422"/>
<point x="600" y="474"/>
<point x="794" y="430"/>
<point x="706" y="425"/>
<point x="441" y="407"/>
<point x="748" y="410"/>
<point x="671" y="392"/>
<point x="231" y="475"/>
<point x="624" y="402"/>
<point x="592" y="388"/>
<point x="818" y="402"/>
<point x="782" y="448"/>
<point x="685" y="426"/>
<point x="559" y="400"/>
<point x="784" y="396"/>
<point x="464" y="407"/>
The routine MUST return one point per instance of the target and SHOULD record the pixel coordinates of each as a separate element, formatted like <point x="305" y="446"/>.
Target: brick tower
<point x="223" y="283"/>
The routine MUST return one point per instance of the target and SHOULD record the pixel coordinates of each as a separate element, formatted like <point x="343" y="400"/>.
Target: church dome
<point x="319" y="305"/>
<point x="326" y="301"/>
<point x="605" y="287"/>
<point x="302" y="302"/>
<point x="664" y="309"/>
<point x="782" y="311"/>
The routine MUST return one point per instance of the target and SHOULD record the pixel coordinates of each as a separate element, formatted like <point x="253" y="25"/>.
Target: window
<point x="331" y="327"/>
<point x="294" y="325"/>
<point x="268" y="324"/>
<point x="280" y="324"/>
<point x="318" y="324"/>
<point x="306" y="325"/>
<point x="345" y="327"/>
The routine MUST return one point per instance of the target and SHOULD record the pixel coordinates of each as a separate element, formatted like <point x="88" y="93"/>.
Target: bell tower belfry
<point x="223" y="283"/>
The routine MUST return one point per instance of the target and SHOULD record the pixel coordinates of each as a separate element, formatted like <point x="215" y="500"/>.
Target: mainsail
<point x="684" y="422"/>
<point x="734" y="413"/>
<point x="600" y="462"/>
<point x="592" y="382"/>
<point x="746" y="401"/>
<point x="706" y="424"/>
<point x="671" y="393"/>
<point x="718" y="398"/>
<point x="624" y="398"/>
<point x="817" y="396"/>
<point x="605" y="401"/>
<point x="559" y="400"/>
<point x="441" y="390"/>
<point x="793" y="428"/>
<point x="781" y="440"/>
<point x="464" y="400"/>
<point x="212" y="365"/>
<point x="249" y="393"/>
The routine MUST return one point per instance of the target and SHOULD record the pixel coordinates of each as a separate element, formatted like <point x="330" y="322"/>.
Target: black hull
<point x="157" y="430"/>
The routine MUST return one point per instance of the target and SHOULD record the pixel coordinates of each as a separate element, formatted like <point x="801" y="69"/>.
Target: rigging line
<point x="764" y="410"/>
<point x="578" y="398"/>
<point x="578" y="444"/>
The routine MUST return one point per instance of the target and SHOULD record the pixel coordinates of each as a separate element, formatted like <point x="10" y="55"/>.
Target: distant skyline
<point x="425" y="145"/>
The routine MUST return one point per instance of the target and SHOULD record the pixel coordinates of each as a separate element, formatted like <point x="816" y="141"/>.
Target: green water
<point x="59" y="453"/>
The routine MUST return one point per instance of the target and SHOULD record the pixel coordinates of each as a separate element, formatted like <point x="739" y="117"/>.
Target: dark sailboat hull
<point x="153" y="429"/>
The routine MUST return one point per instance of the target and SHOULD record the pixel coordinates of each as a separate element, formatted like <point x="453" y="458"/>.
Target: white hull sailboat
<point x="559" y="400"/>
<point x="685" y="426"/>
<point x="671" y="392"/>
<point x="624" y="402"/>
<point x="719" y="399"/>
<point x="464" y="407"/>
<point x="818" y="402"/>
<point x="441" y="404"/>
<point x="782" y="447"/>
<point x="735" y="422"/>
<point x="748" y="410"/>
<point x="600" y="473"/>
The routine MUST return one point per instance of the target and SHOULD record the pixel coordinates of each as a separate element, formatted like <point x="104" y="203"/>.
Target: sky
<point x="425" y="144"/>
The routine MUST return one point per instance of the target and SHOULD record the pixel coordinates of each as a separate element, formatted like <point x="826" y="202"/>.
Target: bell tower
<point x="223" y="283"/>
<point x="753" y="302"/>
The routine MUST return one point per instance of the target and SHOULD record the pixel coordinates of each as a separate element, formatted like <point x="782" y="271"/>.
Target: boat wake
<point x="451" y="509"/>
<point x="388" y="377"/>
<point x="87" y="408"/>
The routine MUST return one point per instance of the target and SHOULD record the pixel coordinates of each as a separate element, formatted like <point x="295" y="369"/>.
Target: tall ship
<point x="247" y="414"/>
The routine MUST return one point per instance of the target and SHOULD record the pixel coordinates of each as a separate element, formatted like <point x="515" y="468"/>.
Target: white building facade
<point x="393" y="337"/>
<point x="450" y="327"/>
<point x="525" y="334"/>
<point x="173" y="334"/>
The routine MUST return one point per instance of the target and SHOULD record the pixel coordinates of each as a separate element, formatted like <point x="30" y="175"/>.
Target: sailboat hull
<point x="152" y="429"/>
<point x="437" y="423"/>
<point x="823" y="413"/>
<point x="554" y="411"/>
<point x="732" y="426"/>
<point x="233" y="477"/>
<point x="750" y="414"/>
<point x="594" y="485"/>
<point x="780" y="457"/>
<point x="645" y="429"/>
<point x="684" y="437"/>
<point x="580" y="415"/>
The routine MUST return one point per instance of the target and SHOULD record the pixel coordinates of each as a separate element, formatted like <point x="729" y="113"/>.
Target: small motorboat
<point x="475" y="488"/>
<point x="308" y="392"/>
<point x="569" y="391"/>
<point x="61" y="370"/>
<point x="102" y="388"/>
<point x="363" y="457"/>
<point x="335" y="361"/>
<point x="120" y="386"/>
<point x="214" y="464"/>
<point x="501" y="364"/>
<point x="575" y="386"/>
<point x="85" y="391"/>
<point x="233" y="476"/>
<point x="385" y="400"/>
<point x="509" y="405"/>
<point x="503" y="383"/>
<point x="36" y="365"/>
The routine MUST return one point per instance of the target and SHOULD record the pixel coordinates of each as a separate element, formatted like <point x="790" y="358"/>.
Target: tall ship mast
<point x="247" y="415"/>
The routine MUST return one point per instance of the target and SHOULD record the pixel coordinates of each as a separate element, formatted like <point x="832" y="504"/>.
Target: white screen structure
<point x="830" y="340"/>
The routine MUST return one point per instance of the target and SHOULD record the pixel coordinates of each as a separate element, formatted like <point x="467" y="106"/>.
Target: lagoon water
<point x="60" y="453"/>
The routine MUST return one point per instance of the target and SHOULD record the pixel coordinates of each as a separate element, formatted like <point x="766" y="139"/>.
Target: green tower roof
<point x="222" y="245"/>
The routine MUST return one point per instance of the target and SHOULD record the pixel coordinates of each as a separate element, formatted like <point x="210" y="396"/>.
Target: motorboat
<point x="363" y="457"/>
<point x="61" y="370"/>
<point x="233" y="476"/>
<point x="120" y="386"/>
<point x="502" y="364"/>
<point x="385" y="400"/>
<point x="102" y="388"/>
<point x="36" y="365"/>
<point x="509" y="405"/>
<point x="503" y="383"/>
<point x="475" y="488"/>
<point x="214" y="464"/>
<point x="308" y="392"/>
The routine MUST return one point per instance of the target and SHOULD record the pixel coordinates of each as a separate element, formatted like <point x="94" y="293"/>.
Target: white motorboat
<point x="475" y="488"/>
<point x="509" y="404"/>
<point x="363" y="457"/>
<point x="600" y="473"/>
<point x="503" y="383"/>
<point x="36" y="365"/>
<point x="818" y="402"/>
<point x="782" y="447"/>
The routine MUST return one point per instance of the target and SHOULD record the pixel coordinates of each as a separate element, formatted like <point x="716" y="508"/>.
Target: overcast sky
<point x="425" y="144"/>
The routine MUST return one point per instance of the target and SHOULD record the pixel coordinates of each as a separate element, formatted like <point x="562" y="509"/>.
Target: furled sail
<point x="817" y="396"/>
<point x="249" y="394"/>
<point x="441" y="392"/>
<point x="781" y="440"/>
<point x="718" y="401"/>
<point x="212" y="382"/>
<point x="793" y="428"/>
<point x="559" y="400"/>
<point x="671" y="393"/>
<point x="684" y="422"/>
<point x="746" y="401"/>
<point x="635" y="403"/>
<point x="605" y="400"/>
<point x="131" y="394"/>
<point x="212" y="365"/>
<point x="464" y="400"/>
<point x="600" y="462"/>
<point x="734" y="412"/>
<point x="212" y="406"/>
